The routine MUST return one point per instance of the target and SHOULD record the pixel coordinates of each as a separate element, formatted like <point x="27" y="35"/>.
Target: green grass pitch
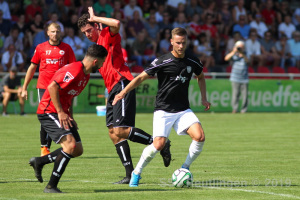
<point x="245" y="156"/>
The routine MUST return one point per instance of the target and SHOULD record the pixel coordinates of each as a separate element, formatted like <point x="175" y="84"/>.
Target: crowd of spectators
<point x="269" y="28"/>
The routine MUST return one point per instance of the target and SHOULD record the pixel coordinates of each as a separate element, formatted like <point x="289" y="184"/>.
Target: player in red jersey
<point x="55" y="116"/>
<point x="120" y="118"/>
<point x="50" y="56"/>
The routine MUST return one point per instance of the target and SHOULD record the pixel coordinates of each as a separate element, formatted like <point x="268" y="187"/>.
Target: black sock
<point x="140" y="136"/>
<point x="60" y="165"/>
<point x="49" y="140"/>
<point x="123" y="151"/>
<point x="50" y="157"/>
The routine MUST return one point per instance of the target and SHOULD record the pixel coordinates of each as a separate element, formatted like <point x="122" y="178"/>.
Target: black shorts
<point x="50" y="123"/>
<point x="123" y="113"/>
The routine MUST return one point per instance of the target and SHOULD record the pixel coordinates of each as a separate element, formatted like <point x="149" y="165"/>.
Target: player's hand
<point x="92" y="14"/>
<point x="64" y="120"/>
<point x="24" y="94"/>
<point x="117" y="98"/>
<point x="206" y="104"/>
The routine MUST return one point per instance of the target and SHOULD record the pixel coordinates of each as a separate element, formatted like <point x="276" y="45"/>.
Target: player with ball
<point x="174" y="71"/>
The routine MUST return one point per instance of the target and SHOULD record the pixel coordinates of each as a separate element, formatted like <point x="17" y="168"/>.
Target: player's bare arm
<point x="133" y="84"/>
<point x="28" y="77"/>
<point x="113" y="24"/>
<point x="202" y="86"/>
<point x="64" y="119"/>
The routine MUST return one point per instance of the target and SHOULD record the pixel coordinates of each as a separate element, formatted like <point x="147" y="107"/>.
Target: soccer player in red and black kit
<point x="120" y="118"/>
<point x="56" y="117"/>
<point x="50" y="55"/>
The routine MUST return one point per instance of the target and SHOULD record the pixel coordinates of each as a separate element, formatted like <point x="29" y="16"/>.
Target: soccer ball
<point x="182" y="178"/>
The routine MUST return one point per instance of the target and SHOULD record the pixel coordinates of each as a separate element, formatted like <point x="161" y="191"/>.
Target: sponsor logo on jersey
<point x="72" y="92"/>
<point x="61" y="52"/>
<point x="51" y="61"/>
<point x="68" y="77"/>
<point x="181" y="78"/>
<point x="188" y="69"/>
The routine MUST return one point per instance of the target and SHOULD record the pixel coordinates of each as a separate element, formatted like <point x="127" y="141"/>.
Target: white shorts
<point x="164" y="121"/>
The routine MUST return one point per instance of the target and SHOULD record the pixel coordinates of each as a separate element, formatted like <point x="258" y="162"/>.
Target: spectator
<point x="242" y="27"/>
<point x="31" y="10"/>
<point x="130" y="8"/>
<point x="10" y="90"/>
<point x="258" y="25"/>
<point x="286" y="27"/>
<point x="84" y="7"/>
<point x="72" y="23"/>
<point x="16" y="9"/>
<point x="134" y="26"/>
<point x="14" y="39"/>
<point x="166" y="22"/>
<point x="164" y="42"/>
<point x="203" y="51"/>
<point x="160" y="12"/>
<point x="239" y="76"/>
<point x="143" y="49"/>
<point x="268" y="50"/>
<point x="296" y="17"/>
<point x="253" y="49"/>
<point x="152" y="27"/>
<point x="238" y="10"/>
<point x="54" y="19"/>
<point x="284" y="51"/>
<point x="253" y="10"/>
<point x="211" y="32"/>
<point x="147" y="9"/>
<point x="172" y="6"/>
<point x="231" y="42"/>
<point x="102" y="5"/>
<point x="192" y="8"/>
<point x="5" y="9"/>
<point x="12" y="57"/>
<point x="294" y="44"/>
<point x="180" y="21"/>
<point x="194" y="27"/>
<point x="60" y="9"/>
<point x="36" y="25"/>
<point x="117" y="7"/>
<point x="75" y="42"/>
<point x="5" y="25"/>
<point x="283" y="11"/>
<point x="225" y="19"/>
<point x="211" y="10"/>
<point x="269" y="15"/>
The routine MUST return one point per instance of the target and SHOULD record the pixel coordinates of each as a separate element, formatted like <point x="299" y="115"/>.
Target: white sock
<point x="147" y="155"/>
<point x="194" y="152"/>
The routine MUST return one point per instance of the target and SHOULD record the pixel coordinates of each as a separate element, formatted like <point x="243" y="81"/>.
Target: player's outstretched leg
<point x="166" y="154"/>
<point x="194" y="151"/>
<point x="135" y="179"/>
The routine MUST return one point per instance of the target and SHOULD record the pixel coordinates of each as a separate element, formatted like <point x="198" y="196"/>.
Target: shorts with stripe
<point x="164" y="121"/>
<point x="50" y="122"/>
<point x="123" y="113"/>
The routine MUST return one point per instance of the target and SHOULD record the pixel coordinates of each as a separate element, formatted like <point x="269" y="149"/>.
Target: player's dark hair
<point x="83" y="20"/>
<point x="96" y="51"/>
<point x="179" y="31"/>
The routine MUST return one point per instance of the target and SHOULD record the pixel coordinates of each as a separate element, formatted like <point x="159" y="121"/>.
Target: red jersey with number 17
<point x="51" y="58"/>
<point x="114" y="67"/>
<point x="71" y="80"/>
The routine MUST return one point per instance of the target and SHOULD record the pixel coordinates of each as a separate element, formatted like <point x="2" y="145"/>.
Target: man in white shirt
<point x="260" y="26"/>
<point x="253" y="49"/>
<point x="286" y="27"/>
<point x="130" y="8"/>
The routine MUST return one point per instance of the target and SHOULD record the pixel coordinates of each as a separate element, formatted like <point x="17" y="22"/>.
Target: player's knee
<point x="121" y="132"/>
<point x="200" y="137"/>
<point x="159" y="144"/>
<point x="78" y="151"/>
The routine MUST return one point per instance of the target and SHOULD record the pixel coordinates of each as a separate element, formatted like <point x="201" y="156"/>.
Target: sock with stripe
<point x="60" y="165"/>
<point x="50" y="158"/>
<point x="140" y="136"/>
<point x="123" y="151"/>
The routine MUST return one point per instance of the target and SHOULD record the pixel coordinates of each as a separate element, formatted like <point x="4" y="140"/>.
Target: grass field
<point x="246" y="156"/>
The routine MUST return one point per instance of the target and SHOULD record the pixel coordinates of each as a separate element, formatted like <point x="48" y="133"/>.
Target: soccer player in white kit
<point x="174" y="71"/>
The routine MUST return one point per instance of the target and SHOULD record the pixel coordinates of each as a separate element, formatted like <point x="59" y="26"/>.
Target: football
<point x="182" y="178"/>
